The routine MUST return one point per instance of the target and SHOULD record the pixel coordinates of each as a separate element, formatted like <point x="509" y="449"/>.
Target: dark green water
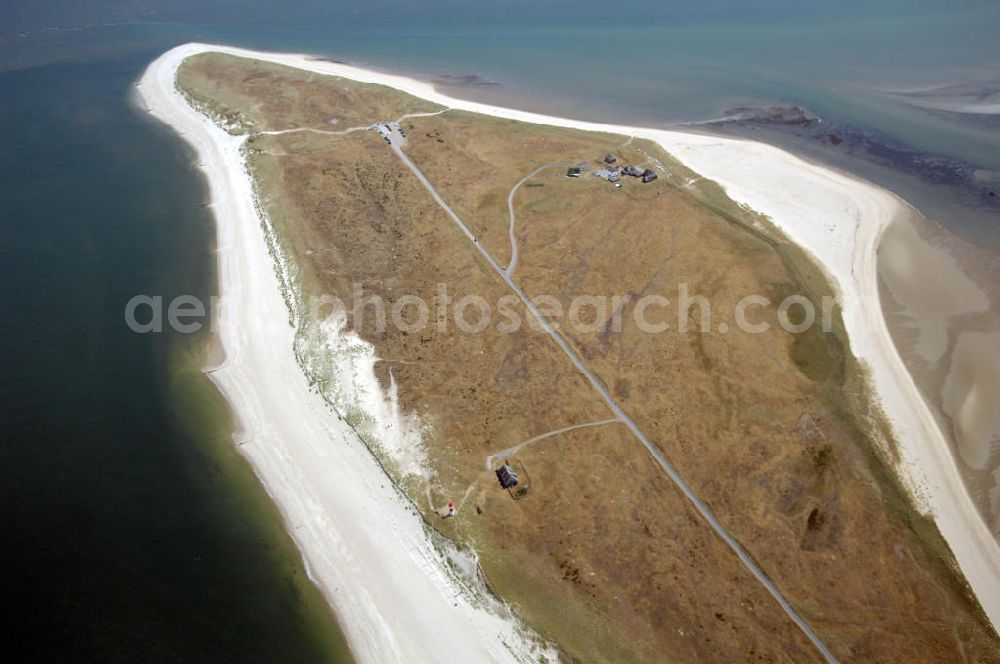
<point x="132" y="531"/>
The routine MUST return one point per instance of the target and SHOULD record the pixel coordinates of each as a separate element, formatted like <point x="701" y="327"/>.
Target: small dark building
<point x="573" y="172"/>
<point x="609" y="158"/>
<point x="632" y="170"/>
<point x="507" y="476"/>
<point x="648" y="176"/>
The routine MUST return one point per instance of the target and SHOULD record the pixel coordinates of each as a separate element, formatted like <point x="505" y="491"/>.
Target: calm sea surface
<point x="132" y="531"/>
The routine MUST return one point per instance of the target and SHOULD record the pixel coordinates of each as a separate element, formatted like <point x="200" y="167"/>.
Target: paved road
<point x="699" y="505"/>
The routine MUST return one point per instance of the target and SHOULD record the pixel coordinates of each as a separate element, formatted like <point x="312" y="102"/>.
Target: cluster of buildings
<point x="613" y="173"/>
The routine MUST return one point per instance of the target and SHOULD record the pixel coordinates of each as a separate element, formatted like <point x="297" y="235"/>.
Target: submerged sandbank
<point x="836" y="218"/>
<point x="948" y="327"/>
<point x="929" y="284"/>
<point x="971" y="394"/>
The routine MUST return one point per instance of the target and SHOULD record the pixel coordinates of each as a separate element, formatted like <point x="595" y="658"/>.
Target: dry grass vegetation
<point x="603" y="554"/>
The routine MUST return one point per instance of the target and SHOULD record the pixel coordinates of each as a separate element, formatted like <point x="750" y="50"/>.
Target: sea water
<point x="131" y="527"/>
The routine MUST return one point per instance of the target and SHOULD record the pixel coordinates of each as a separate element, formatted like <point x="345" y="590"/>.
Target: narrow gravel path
<point x="510" y="451"/>
<point x="509" y="270"/>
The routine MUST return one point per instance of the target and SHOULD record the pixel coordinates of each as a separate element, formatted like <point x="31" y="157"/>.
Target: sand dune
<point x="365" y="545"/>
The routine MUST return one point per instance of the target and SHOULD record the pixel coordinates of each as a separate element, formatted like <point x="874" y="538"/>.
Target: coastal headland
<point x="716" y="496"/>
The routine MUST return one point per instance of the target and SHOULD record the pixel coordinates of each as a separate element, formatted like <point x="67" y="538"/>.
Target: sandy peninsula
<point x="364" y="543"/>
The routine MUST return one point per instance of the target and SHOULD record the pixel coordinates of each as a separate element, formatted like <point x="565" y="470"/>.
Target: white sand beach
<point x="364" y="543"/>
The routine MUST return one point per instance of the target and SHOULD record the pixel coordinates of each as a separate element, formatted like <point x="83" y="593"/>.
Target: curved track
<point x="509" y="270"/>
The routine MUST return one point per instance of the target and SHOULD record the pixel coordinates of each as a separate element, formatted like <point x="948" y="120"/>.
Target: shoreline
<point x="845" y="218"/>
<point x="362" y="542"/>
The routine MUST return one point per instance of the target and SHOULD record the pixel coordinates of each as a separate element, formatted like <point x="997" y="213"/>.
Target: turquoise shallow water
<point x="131" y="529"/>
<point x="668" y="63"/>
